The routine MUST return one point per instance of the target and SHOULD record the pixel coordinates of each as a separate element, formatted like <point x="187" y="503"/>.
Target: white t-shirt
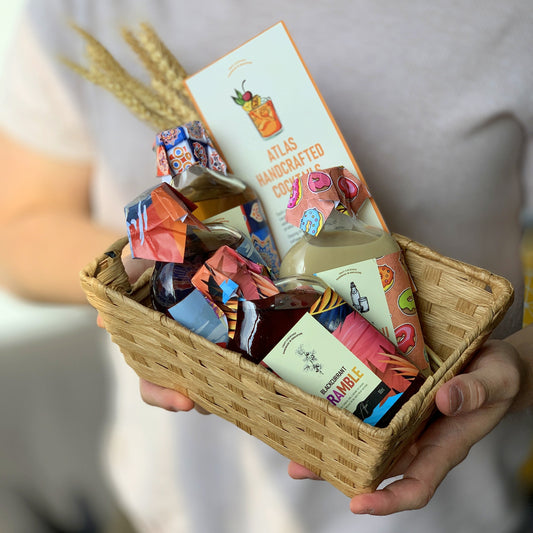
<point x="434" y="100"/>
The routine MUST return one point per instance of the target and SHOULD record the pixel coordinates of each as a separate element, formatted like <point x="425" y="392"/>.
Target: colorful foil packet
<point x="315" y="195"/>
<point x="157" y="223"/>
<point x="179" y="148"/>
<point x="362" y="371"/>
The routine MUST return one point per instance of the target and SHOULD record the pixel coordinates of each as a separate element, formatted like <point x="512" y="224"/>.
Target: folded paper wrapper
<point x="227" y="268"/>
<point x="198" y="314"/>
<point x="179" y="148"/>
<point x="317" y="194"/>
<point x="227" y="277"/>
<point x="157" y="223"/>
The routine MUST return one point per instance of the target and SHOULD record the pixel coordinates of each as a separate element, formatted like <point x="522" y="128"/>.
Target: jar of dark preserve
<point x="261" y="324"/>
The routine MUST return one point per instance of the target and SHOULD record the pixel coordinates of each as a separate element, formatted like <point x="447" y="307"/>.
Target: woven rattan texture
<point x="458" y="304"/>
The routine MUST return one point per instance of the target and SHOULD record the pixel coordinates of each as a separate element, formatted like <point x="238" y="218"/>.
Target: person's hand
<point x="168" y="399"/>
<point x="134" y="268"/>
<point x="472" y="404"/>
<point x="151" y="393"/>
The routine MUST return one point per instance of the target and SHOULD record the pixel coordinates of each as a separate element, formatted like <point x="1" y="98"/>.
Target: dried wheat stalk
<point x="164" y="103"/>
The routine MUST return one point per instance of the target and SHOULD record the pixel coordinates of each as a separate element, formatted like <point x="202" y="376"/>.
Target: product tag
<point x="360" y="285"/>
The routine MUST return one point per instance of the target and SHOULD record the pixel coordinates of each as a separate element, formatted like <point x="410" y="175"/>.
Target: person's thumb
<point x="492" y="378"/>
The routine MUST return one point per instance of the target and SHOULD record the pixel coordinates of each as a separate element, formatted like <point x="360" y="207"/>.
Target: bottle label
<point x="310" y="357"/>
<point x="251" y="220"/>
<point x="380" y="289"/>
<point x="360" y="285"/>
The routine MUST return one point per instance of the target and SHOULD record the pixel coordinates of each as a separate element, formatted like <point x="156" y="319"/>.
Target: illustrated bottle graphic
<point x="187" y="159"/>
<point x="359" y="303"/>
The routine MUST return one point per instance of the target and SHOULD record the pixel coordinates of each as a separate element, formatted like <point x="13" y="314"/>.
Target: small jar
<point x="261" y="324"/>
<point x="171" y="282"/>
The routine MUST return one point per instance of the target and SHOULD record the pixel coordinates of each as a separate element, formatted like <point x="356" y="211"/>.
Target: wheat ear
<point x="147" y="103"/>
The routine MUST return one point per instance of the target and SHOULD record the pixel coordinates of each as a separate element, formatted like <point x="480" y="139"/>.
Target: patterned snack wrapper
<point x="179" y="148"/>
<point x="157" y="224"/>
<point x="315" y="195"/>
<point x="398" y="288"/>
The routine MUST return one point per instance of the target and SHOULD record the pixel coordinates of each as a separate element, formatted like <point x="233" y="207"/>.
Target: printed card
<point x="271" y="124"/>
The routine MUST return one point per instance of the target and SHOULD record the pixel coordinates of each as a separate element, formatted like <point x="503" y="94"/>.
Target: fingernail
<point x="456" y="400"/>
<point x="363" y="510"/>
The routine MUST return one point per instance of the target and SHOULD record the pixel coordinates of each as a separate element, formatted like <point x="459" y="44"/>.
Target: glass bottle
<point x="226" y="199"/>
<point x="188" y="160"/>
<point x="213" y="192"/>
<point x="332" y="352"/>
<point x="171" y="282"/>
<point x="365" y="266"/>
<point x="342" y="241"/>
<point x="261" y="324"/>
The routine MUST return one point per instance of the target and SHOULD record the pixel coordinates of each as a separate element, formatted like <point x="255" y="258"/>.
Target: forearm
<point x="42" y="254"/>
<point x="522" y="341"/>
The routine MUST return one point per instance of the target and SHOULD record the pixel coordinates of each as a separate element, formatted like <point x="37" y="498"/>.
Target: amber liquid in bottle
<point x="212" y="192"/>
<point x="216" y="194"/>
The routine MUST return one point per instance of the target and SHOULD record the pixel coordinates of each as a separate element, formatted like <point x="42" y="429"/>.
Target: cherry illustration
<point x="247" y="95"/>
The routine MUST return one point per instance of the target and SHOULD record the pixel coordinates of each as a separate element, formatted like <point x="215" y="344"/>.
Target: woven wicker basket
<point x="459" y="305"/>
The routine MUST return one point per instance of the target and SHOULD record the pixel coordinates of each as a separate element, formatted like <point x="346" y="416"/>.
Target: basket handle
<point x="110" y="269"/>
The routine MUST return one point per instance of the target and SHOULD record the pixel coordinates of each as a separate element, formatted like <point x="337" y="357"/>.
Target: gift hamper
<point x="459" y="305"/>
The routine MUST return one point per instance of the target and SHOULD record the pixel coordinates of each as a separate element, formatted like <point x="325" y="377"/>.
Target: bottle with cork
<point x="362" y="263"/>
<point x="188" y="160"/>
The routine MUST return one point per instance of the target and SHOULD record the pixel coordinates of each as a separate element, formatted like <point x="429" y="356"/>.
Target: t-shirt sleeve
<point x="36" y="107"/>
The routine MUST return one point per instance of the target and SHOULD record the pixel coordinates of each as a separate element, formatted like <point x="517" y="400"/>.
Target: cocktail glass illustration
<point x="261" y="111"/>
<point x="265" y="118"/>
